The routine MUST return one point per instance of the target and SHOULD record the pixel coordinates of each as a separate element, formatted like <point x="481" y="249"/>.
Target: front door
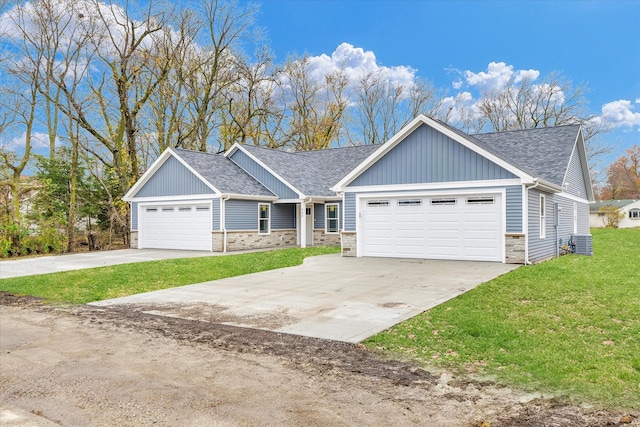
<point x="309" y="225"/>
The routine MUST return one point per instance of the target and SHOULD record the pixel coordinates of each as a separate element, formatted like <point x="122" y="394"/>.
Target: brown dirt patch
<point x="125" y="366"/>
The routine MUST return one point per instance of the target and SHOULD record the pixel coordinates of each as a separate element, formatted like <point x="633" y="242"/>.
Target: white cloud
<point x="620" y="113"/>
<point x="496" y="77"/>
<point x="38" y="140"/>
<point x="355" y="62"/>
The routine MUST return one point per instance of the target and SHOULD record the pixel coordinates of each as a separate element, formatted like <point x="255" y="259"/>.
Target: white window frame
<point x="543" y="216"/>
<point x="326" y="218"/>
<point x="267" y="219"/>
<point x="634" y="214"/>
<point x="575" y="218"/>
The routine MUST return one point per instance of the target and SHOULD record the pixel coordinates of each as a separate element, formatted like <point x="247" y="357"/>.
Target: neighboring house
<point x="629" y="209"/>
<point x="431" y="191"/>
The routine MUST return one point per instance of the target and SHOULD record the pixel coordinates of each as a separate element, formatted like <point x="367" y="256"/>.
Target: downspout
<point x="536" y="183"/>
<point x="223" y="220"/>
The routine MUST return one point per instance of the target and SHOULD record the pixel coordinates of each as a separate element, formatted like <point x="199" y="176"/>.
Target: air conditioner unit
<point x="583" y="244"/>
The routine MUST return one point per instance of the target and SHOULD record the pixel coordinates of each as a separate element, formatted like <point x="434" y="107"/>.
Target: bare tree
<point x="315" y="108"/>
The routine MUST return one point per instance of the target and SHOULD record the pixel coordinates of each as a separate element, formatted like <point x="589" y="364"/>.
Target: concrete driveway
<point x="332" y="297"/>
<point x="79" y="261"/>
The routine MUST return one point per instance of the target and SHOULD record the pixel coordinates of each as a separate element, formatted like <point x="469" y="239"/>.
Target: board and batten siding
<point x="542" y="249"/>
<point x="319" y="215"/>
<point x="262" y="175"/>
<point x="426" y="156"/>
<point x="513" y="196"/>
<point x="575" y="180"/>
<point x="173" y="179"/>
<point x="243" y="215"/>
<point x="134" y="216"/>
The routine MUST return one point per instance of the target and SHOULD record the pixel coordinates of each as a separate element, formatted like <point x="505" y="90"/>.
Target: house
<point x="431" y="191"/>
<point x="629" y="212"/>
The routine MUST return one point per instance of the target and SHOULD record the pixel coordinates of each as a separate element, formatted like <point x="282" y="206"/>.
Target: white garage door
<point x="175" y="227"/>
<point x="460" y="227"/>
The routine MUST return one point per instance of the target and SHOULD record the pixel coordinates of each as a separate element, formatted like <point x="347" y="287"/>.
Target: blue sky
<point x="591" y="42"/>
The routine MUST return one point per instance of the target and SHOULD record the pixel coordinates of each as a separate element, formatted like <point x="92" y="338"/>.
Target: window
<point x="184" y="209"/>
<point x="331" y="218"/>
<point x="264" y="218"/>
<point x="543" y="212"/>
<point x="443" y="201"/>
<point x="411" y="202"/>
<point x="152" y="209"/>
<point x="634" y="214"/>
<point x="167" y="209"/>
<point x="481" y="200"/>
<point x="377" y="203"/>
<point x="202" y="208"/>
<point x="575" y="218"/>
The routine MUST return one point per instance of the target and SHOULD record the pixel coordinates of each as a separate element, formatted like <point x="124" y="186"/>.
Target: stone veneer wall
<point x="241" y="240"/>
<point x="320" y="238"/>
<point x="349" y="243"/>
<point x="514" y="245"/>
<point x="133" y="240"/>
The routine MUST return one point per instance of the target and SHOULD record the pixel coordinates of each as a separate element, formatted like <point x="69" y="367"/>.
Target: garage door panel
<point x="185" y="227"/>
<point x="439" y="228"/>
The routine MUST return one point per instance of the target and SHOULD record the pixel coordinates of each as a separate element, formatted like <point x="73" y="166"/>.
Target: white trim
<point x="360" y="197"/>
<point x="326" y="218"/>
<point x="250" y="197"/>
<point x="268" y="205"/>
<point x="575" y="218"/>
<point x="154" y="168"/>
<point x="572" y="197"/>
<point x="542" y="216"/>
<point x="237" y="146"/>
<point x="160" y="199"/>
<point x="525" y="221"/>
<point x="406" y="131"/>
<point x="435" y="185"/>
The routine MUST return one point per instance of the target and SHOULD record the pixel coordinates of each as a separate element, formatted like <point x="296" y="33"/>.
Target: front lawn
<point x="569" y="326"/>
<point x="82" y="286"/>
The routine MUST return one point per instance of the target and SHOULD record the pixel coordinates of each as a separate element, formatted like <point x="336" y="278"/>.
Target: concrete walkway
<point x="332" y="297"/>
<point x="57" y="263"/>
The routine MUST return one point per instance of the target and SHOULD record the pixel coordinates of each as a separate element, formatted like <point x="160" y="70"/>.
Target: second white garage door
<point x="175" y="227"/>
<point x="460" y="227"/>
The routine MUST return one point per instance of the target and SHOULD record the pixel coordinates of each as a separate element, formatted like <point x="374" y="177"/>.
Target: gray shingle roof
<point x="542" y="152"/>
<point x="595" y="207"/>
<point x="313" y="172"/>
<point x="222" y="173"/>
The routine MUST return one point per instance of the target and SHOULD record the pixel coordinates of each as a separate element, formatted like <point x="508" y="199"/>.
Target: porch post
<point x="303" y="224"/>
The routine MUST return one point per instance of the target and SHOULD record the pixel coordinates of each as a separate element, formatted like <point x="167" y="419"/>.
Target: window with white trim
<point x="332" y="222"/>
<point x="152" y="209"/>
<point x="443" y="201"/>
<point x="543" y="217"/>
<point x="410" y="202"/>
<point x="634" y="213"/>
<point x="481" y="200"/>
<point x="264" y="218"/>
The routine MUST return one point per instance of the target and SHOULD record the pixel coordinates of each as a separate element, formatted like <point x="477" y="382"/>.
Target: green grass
<point x="82" y="286"/>
<point x="569" y="326"/>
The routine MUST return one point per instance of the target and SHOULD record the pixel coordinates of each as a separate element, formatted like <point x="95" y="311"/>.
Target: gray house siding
<point x="134" y="216"/>
<point x="216" y="215"/>
<point x="319" y="215"/>
<point x="430" y="156"/>
<point x="514" y="198"/>
<point x="574" y="180"/>
<point x="542" y="249"/>
<point x="283" y="216"/>
<point x="243" y="215"/>
<point x="173" y="179"/>
<point x="262" y="175"/>
<point x="349" y="212"/>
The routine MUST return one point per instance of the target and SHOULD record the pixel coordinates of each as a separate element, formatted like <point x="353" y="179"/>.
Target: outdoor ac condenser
<point x="583" y="244"/>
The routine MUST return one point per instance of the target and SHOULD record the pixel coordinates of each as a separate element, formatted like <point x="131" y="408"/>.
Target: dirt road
<point x="85" y="366"/>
